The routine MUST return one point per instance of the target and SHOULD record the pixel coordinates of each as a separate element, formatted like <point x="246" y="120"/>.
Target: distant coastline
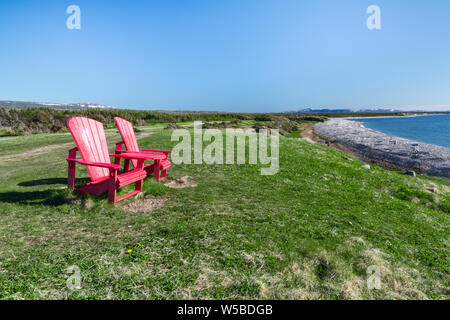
<point x="393" y="116"/>
<point x="388" y="151"/>
<point x="432" y="129"/>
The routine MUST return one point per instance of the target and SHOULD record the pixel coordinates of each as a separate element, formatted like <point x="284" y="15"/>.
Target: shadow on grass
<point x="40" y="182"/>
<point x="50" y="197"/>
<point x="46" y="197"/>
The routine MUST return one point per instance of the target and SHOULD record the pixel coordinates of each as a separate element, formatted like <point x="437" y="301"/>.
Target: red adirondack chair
<point x="90" y="141"/>
<point x="159" y="168"/>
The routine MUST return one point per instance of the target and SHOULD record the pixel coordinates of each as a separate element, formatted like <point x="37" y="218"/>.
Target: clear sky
<point x="229" y="55"/>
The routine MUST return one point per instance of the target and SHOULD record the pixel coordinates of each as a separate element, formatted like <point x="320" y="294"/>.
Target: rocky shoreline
<point x="381" y="148"/>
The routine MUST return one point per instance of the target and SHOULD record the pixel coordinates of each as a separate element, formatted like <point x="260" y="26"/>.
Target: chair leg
<point x="138" y="186"/>
<point x="117" y="159"/>
<point x="126" y="165"/>
<point x="156" y="170"/>
<point x="163" y="174"/>
<point x="112" y="191"/>
<point x="71" y="169"/>
<point x="71" y="176"/>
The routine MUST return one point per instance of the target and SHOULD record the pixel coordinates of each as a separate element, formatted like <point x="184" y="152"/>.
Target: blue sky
<point x="229" y="55"/>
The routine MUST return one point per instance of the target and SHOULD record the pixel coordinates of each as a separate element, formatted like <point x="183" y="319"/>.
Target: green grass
<point x="310" y="231"/>
<point x="294" y="134"/>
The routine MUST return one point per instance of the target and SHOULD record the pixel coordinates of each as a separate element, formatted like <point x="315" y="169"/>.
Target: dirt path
<point x="308" y="132"/>
<point x="34" y="152"/>
<point x="50" y="148"/>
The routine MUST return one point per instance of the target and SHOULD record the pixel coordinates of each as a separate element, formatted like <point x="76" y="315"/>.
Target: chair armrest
<point x="96" y="164"/>
<point x="150" y="150"/>
<point x="138" y="156"/>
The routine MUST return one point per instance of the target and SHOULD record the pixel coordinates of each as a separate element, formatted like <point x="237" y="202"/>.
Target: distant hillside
<point x="35" y="119"/>
<point x="18" y="121"/>
<point x="58" y="106"/>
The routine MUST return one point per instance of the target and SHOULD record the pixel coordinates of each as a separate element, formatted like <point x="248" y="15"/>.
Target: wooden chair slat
<point x="129" y="139"/>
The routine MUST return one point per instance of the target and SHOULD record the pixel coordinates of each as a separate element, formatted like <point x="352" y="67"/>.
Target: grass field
<point x="308" y="232"/>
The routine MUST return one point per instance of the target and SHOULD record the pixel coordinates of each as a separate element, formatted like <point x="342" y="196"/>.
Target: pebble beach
<point x="421" y="157"/>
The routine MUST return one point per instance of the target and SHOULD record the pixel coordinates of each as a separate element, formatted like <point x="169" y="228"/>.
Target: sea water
<point x="433" y="129"/>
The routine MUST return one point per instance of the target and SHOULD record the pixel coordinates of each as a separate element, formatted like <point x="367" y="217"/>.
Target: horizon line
<point x="421" y="108"/>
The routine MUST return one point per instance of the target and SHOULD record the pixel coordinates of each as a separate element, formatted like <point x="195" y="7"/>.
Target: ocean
<point x="428" y="129"/>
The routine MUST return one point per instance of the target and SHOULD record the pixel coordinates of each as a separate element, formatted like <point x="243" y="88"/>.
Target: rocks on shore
<point x="410" y="173"/>
<point x="398" y="152"/>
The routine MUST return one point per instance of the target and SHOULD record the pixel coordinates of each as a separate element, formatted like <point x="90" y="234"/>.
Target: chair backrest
<point x="90" y="139"/>
<point x="129" y="138"/>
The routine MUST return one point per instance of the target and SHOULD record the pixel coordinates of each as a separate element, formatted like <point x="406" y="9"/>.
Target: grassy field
<point x="308" y="232"/>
